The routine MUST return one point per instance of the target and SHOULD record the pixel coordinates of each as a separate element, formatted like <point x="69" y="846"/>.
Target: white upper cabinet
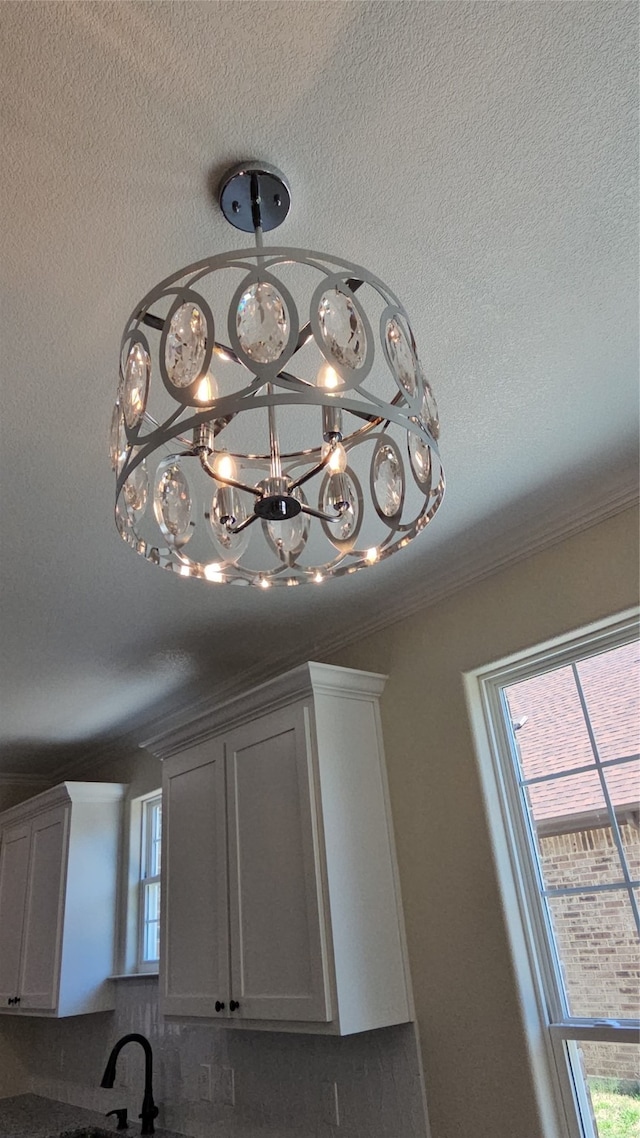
<point x="194" y="944"/>
<point x="278" y="953"/>
<point x="281" y="906"/>
<point x="58" y="867"/>
<point x="14" y="871"/>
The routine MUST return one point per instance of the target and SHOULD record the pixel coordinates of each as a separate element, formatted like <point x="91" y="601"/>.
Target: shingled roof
<point x="554" y="737"/>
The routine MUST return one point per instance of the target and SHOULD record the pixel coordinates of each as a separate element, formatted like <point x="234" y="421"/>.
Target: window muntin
<point x="535" y="839"/>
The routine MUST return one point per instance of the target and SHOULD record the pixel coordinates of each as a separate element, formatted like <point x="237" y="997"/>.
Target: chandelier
<point x="273" y="425"/>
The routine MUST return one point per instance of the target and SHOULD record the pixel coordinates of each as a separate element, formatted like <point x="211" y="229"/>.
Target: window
<point x="149" y="894"/>
<point x="558" y="736"/>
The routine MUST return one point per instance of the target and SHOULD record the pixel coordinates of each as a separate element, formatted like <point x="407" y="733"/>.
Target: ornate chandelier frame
<point x="232" y="499"/>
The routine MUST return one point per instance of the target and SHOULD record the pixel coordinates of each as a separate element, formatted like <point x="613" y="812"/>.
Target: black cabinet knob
<point x="219" y="1006"/>
<point x="233" y="1005"/>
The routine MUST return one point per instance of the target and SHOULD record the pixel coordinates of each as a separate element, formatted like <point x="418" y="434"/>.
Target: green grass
<point x="617" y="1115"/>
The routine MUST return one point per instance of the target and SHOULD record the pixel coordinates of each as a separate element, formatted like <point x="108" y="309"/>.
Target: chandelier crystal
<point x="273" y="423"/>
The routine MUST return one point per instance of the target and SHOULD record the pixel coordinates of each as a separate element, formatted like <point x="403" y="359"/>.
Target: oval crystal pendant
<point x="420" y="457"/>
<point x="388" y="483"/>
<point x="342" y="329"/>
<point x="136" y="490"/>
<point x="401" y="355"/>
<point x="117" y="440"/>
<point x="429" y="410"/>
<point x="136" y="384"/>
<point x="340" y="498"/>
<point x="123" y="521"/>
<point x="289" y="537"/>
<point x="227" y="504"/>
<point x="185" y="345"/>
<point x="172" y="501"/>
<point x="262" y="323"/>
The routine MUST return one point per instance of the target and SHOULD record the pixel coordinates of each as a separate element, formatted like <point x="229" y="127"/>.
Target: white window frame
<point x="145" y="878"/>
<point x="562" y="1103"/>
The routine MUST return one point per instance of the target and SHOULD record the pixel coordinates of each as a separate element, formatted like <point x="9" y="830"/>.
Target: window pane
<point x="554" y="736"/>
<point x="152" y="901"/>
<point x="580" y="859"/>
<point x="152" y="941"/>
<point x="599" y="948"/>
<point x="562" y="803"/>
<point x="151" y="931"/>
<point x="155" y="833"/>
<point x="611" y="686"/>
<point x="576" y="846"/>
<point x="612" y="1074"/>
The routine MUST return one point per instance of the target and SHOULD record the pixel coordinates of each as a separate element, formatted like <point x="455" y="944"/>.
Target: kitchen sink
<point x="87" y="1132"/>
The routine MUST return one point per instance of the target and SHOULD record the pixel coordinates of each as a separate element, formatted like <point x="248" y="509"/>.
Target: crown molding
<point x="524" y="542"/>
<point x="97" y="793"/>
<point x="192" y="726"/>
<point x="443" y="582"/>
<point x="518" y="545"/>
<point x="37" y="781"/>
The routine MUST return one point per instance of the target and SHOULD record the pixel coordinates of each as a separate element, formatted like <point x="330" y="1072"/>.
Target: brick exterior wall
<point x="597" y="939"/>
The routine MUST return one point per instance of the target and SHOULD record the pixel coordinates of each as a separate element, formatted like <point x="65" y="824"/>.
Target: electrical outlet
<point x="227" y="1086"/>
<point x="204" y="1082"/>
<point x="330" y="1104"/>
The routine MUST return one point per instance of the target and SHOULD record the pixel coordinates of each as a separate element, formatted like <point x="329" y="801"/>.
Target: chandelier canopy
<point x="273" y="425"/>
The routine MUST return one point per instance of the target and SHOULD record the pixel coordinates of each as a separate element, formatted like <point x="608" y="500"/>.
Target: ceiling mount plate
<point x="254" y="194"/>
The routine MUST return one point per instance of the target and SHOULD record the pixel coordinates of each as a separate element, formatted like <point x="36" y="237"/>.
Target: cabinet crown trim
<point x="209" y="718"/>
<point x="63" y="793"/>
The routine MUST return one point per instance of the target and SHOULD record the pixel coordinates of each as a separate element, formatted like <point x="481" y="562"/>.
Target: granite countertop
<point x="31" y="1116"/>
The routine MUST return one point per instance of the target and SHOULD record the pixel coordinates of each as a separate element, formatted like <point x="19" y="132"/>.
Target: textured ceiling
<point x="480" y="157"/>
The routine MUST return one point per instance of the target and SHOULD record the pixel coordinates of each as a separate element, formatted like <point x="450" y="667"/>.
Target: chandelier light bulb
<point x="207" y="389"/>
<point x="224" y="467"/>
<point x="336" y="457"/>
<point x="213" y="572"/>
<point x="273" y="423"/>
<point x="328" y="378"/>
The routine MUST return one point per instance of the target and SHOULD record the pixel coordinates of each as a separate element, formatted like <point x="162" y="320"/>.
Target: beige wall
<point x="474" y="1052"/>
<point x="140" y="770"/>
<point x="13" y="793"/>
<point x="473" y="1044"/>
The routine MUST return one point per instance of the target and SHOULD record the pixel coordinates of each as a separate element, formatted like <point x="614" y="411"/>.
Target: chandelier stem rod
<point x="274" y="442"/>
<point x="243" y="525"/>
<point x="204" y="462"/>
<point x="320" y="514"/>
<point x="310" y="473"/>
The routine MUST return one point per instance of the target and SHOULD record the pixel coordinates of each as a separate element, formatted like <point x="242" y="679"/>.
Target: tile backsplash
<point x="283" y="1083"/>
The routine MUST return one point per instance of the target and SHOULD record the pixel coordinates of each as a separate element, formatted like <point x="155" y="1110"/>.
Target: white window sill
<point x="134" y="976"/>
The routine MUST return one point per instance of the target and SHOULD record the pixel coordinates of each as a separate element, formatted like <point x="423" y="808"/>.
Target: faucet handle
<point x="149" y="1112"/>
<point x="121" y="1115"/>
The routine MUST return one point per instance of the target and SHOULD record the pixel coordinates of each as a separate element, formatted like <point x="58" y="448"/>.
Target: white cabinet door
<point x="43" y="913"/>
<point x="194" y="950"/>
<point x="278" y="955"/>
<point x="14" y="868"/>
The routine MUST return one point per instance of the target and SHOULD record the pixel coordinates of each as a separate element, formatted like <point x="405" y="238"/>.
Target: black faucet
<point x="149" y="1108"/>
